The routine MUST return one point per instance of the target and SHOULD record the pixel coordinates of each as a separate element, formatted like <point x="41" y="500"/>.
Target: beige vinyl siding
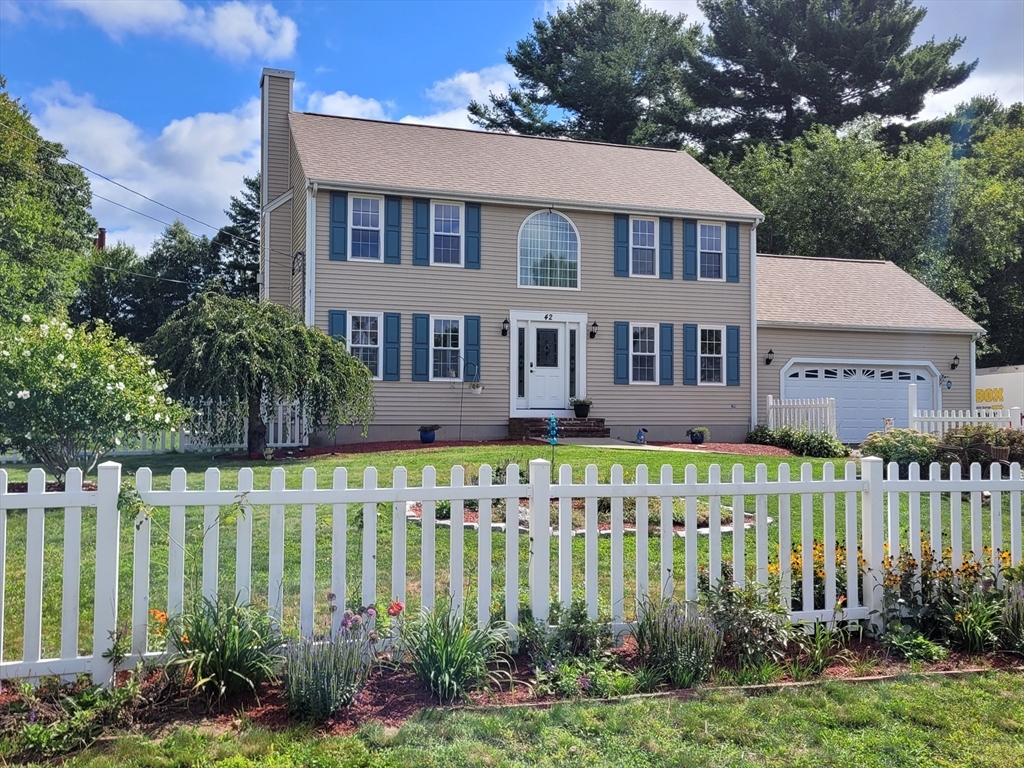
<point x="298" y="187"/>
<point x="280" y="243"/>
<point x="936" y="348"/>
<point x="491" y="292"/>
<point x="277" y="141"/>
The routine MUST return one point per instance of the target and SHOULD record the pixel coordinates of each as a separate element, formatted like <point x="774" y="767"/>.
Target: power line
<point x="67" y="159"/>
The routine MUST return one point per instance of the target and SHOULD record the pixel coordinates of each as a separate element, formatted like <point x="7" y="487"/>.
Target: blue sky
<point x="163" y="94"/>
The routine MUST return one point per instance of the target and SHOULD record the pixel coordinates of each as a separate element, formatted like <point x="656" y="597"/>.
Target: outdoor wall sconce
<point x="299" y="257"/>
<point x="770" y="357"/>
<point x="593" y="329"/>
<point x="955" y="364"/>
<point x="504" y="327"/>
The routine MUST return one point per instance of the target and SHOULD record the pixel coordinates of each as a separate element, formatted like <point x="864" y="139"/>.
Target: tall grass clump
<point x="676" y="643"/>
<point x="1012" y="635"/>
<point x="224" y="647"/>
<point x="324" y="675"/>
<point x="451" y="656"/>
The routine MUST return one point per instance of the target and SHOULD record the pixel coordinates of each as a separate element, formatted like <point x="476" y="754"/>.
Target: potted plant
<point x="427" y="432"/>
<point x="476" y="387"/>
<point x="698" y="434"/>
<point x="581" y="405"/>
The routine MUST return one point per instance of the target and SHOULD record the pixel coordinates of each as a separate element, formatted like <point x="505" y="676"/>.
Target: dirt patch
<point x="51" y="487"/>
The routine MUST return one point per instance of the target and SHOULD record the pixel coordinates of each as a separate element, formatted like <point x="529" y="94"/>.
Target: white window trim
<point x="657" y="353"/>
<point x="380" y="229"/>
<point x="657" y="246"/>
<point x="724" y="356"/>
<point x="711" y="224"/>
<point x="579" y="254"/>
<point x="380" y="338"/>
<point x="462" y="232"/>
<point x="462" y="345"/>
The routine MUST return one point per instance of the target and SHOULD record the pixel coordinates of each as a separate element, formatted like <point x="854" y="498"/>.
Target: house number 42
<point x="549" y="317"/>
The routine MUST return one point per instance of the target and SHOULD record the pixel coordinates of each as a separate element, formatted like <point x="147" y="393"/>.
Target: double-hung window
<point x="643" y="354"/>
<point x="445" y="348"/>
<point x="446" y="240"/>
<point x="643" y="244"/>
<point x="365" y="216"/>
<point x="711" y="252"/>
<point x="364" y="340"/>
<point x="712" y="355"/>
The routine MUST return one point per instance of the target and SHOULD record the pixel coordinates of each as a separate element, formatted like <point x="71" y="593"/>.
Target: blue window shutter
<point x="622" y="353"/>
<point x="622" y="248"/>
<point x="690" y="354"/>
<point x="666" y="374"/>
<point x="392" y="230"/>
<point x="392" y="346"/>
<point x="732" y="355"/>
<point x="689" y="250"/>
<point x="471" y="367"/>
<point x="665" y="272"/>
<point x="339" y="231"/>
<point x="421" y="232"/>
<point x="337" y="324"/>
<point x="421" y="347"/>
<point x="472" y="236"/>
<point x="732" y="253"/>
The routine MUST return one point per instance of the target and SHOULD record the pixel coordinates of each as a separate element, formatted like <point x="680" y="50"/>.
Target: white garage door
<point x="865" y="395"/>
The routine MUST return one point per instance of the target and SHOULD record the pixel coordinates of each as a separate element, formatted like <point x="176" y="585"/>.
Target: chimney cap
<point x="271" y="72"/>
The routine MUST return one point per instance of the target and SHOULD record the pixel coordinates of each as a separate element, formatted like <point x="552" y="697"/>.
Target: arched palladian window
<point x="549" y="252"/>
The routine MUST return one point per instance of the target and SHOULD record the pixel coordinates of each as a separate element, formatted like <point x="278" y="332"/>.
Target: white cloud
<point x="1008" y="87"/>
<point x="346" y="105"/>
<point x="453" y="95"/>
<point x="234" y="30"/>
<point x="194" y="164"/>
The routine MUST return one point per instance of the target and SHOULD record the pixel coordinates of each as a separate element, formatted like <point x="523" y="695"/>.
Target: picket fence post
<point x="912" y="406"/>
<point x="108" y="552"/>
<point x="873" y="536"/>
<point x="540" y="538"/>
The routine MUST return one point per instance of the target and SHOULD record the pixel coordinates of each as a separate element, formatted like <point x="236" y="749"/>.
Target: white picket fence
<point x="812" y="414"/>
<point x="940" y="422"/>
<point x="866" y="505"/>
<point x="285" y="429"/>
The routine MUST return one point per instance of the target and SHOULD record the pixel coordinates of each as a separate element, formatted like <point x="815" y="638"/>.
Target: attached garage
<point x="866" y="393"/>
<point x="860" y="332"/>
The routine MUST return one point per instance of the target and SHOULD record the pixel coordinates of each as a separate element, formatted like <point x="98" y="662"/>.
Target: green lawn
<point x="414" y="462"/>
<point x="972" y="722"/>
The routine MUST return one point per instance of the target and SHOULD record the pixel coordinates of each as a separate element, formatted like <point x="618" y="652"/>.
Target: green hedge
<point x="819" y="445"/>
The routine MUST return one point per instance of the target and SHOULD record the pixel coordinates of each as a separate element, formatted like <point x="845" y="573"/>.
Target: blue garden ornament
<point x="640" y="436"/>
<point x="552" y="430"/>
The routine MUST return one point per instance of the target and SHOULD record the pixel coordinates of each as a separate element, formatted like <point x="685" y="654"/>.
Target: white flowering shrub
<point x="68" y="396"/>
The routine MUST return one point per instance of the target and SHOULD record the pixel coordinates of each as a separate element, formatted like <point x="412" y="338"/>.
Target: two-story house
<point x="545" y="269"/>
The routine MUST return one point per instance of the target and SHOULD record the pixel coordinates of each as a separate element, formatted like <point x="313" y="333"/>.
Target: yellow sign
<point x="991" y="397"/>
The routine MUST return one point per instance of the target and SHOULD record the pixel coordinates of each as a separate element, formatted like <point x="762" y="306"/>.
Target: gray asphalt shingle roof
<point x="824" y="292"/>
<point x="427" y="160"/>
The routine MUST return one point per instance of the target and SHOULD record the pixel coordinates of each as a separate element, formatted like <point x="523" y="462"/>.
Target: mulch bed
<point x="51" y="486"/>
<point x="312" y="451"/>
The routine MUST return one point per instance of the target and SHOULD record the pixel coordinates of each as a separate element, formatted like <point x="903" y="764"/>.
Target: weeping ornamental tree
<point x="248" y="356"/>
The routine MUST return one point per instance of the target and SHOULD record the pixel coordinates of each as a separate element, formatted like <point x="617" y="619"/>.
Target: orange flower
<point x="158" y="615"/>
<point x="395" y="608"/>
<point x="184" y="639"/>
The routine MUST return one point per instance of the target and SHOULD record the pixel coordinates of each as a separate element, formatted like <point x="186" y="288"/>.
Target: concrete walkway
<point x="609" y="442"/>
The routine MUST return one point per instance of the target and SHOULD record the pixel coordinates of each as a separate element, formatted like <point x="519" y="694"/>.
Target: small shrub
<point x="451" y="656"/>
<point x="972" y="620"/>
<point x="224" y="647"/>
<point x="749" y="672"/>
<point x="904" y="446"/>
<point x="1012" y="624"/>
<point x="910" y="645"/>
<point x="571" y="634"/>
<point x="754" y="624"/>
<point x="676" y="644"/>
<point x="818" y="649"/>
<point x="584" y="678"/>
<point x="323" y="675"/>
<point x="443" y="510"/>
<point x="819" y="445"/>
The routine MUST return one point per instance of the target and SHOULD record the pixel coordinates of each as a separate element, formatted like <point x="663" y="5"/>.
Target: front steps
<point x="527" y="428"/>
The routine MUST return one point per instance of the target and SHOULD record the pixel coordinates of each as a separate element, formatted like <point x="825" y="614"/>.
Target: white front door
<point x="546" y="363"/>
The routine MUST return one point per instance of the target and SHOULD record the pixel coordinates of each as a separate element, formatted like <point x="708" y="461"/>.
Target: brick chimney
<point x="101" y="240"/>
